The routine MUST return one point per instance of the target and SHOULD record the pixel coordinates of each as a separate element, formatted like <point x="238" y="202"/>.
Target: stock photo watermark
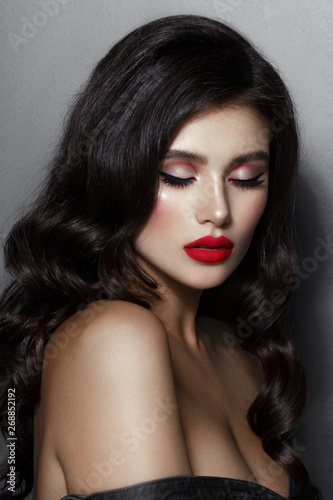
<point x="225" y="8"/>
<point x="321" y="253"/>
<point x="11" y="440"/>
<point x="31" y="26"/>
<point x="129" y="442"/>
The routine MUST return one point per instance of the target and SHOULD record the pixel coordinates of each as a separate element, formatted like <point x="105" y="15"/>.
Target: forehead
<point x="233" y="129"/>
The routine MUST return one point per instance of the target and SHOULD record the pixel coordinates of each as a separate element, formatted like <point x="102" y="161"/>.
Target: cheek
<point x="252" y="212"/>
<point x="255" y="212"/>
<point x="165" y="213"/>
<point x="160" y="221"/>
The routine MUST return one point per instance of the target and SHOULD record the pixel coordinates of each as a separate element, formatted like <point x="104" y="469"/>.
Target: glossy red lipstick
<point x="209" y="249"/>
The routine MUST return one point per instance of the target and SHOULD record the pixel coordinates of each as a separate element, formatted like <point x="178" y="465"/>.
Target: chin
<point x="206" y="282"/>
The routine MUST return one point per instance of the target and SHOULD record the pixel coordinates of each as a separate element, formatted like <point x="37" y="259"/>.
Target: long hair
<point x="75" y="245"/>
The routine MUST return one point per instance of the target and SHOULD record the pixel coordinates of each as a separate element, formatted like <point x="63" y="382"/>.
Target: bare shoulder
<point x="110" y="400"/>
<point x="104" y="314"/>
<point x="104" y="326"/>
<point x="99" y="343"/>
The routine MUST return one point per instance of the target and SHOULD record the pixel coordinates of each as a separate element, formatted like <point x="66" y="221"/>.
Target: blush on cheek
<point x="255" y="212"/>
<point x="163" y="213"/>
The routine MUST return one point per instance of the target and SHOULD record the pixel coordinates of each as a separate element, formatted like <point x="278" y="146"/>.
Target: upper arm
<point x="117" y="415"/>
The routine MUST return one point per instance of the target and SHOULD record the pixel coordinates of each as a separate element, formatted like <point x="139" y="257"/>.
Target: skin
<point x="120" y="355"/>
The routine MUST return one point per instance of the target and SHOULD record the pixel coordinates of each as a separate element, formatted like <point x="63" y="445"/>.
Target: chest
<point x="214" y="398"/>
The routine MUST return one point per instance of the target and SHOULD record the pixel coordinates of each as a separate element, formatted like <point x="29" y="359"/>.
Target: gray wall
<point x="49" y="48"/>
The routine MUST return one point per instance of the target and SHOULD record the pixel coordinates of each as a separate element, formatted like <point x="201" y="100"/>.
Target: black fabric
<point x="193" y="488"/>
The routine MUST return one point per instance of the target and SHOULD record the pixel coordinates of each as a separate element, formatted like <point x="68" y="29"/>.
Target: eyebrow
<point x="203" y="160"/>
<point x="255" y="155"/>
<point x="186" y="155"/>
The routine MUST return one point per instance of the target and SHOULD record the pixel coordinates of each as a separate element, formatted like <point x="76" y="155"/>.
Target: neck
<point x="177" y="310"/>
<point x="177" y="307"/>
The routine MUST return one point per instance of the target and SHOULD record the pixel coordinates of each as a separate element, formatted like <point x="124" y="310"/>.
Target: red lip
<point x="216" y="249"/>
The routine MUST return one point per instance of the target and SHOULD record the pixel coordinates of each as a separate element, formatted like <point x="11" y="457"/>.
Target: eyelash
<point x="248" y="183"/>
<point x="176" y="181"/>
<point x="179" y="182"/>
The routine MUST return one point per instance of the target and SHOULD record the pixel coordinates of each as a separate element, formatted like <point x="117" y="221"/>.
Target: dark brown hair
<point x="75" y="245"/>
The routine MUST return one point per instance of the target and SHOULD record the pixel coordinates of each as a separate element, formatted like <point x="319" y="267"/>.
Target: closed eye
<point x="176" y="181"/>
<point x="248" y="183"/>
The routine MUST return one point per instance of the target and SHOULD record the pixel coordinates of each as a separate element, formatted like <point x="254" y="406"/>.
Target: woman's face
<point x="213" y="185"/>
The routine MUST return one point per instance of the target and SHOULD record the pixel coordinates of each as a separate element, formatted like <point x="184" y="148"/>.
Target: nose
<point x="214" y="205"/>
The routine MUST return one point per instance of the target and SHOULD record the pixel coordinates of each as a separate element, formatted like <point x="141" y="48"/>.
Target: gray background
<point x="50" y="46"/>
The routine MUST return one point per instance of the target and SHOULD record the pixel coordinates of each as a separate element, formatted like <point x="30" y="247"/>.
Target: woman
<point x="141" y="331"/>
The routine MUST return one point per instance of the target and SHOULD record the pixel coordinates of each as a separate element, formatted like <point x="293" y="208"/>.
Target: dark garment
<point x="193" y="488"/>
